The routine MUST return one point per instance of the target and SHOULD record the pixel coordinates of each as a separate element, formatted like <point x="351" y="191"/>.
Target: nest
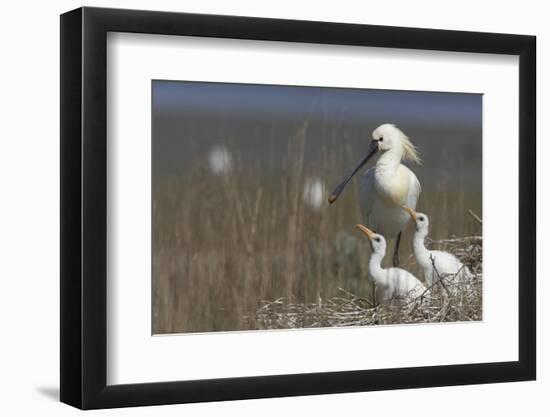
<point x="448" y="300"/>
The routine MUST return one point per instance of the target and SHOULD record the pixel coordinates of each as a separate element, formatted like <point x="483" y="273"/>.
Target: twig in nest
<point x="440" y="279"/>
<point x="475" y="216"/>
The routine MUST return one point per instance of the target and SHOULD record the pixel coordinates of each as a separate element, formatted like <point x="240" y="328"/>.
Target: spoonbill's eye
<point x="381" y="139"/>
<point x="421" y="219"/>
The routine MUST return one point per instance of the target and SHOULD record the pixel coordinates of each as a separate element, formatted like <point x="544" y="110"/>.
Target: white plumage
<point x="393" y="282"/>
<point x="447" y="265"/>
<point x="389" y="185"/>
<point x="381" y="211"/>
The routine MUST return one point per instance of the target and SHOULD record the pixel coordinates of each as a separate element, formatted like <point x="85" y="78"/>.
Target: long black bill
<point x="338" y="190"/>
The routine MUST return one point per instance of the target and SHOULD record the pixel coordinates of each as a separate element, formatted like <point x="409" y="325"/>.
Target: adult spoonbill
<point x="389" y="185"/>
<point x="446" y="264"/>
<point x="391" y="282"/>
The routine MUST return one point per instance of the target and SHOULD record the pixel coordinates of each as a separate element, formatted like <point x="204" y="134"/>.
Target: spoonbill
<point x="446" y="264"/>
<point x="389" y="185"/>
<point x="391" y="282"/>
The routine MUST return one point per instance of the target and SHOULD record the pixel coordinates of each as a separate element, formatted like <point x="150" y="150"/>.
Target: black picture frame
<point x="84" y="207"/>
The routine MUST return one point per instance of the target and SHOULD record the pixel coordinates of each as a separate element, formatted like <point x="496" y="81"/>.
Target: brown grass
<point x="222" y="244"/>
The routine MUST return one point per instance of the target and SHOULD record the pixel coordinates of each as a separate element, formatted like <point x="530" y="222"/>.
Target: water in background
<point x="190" y="119"/>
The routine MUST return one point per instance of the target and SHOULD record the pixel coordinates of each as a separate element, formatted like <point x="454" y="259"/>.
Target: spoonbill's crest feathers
<point x="394" y="134"/>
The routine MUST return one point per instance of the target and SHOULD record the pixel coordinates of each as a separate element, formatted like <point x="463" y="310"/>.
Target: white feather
<point x="382" y="197"/>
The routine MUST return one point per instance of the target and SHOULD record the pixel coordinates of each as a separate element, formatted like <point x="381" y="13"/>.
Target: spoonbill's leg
<point x="396" y="250"/>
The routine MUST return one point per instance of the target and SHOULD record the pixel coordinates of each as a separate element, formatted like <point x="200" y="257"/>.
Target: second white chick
<point x="447" y="265"/>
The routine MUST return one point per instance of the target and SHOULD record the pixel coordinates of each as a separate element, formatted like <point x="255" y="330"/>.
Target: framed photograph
<point x="258" y="208"/>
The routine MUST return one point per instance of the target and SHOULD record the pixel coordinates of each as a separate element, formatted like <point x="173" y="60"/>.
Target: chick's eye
<point x="421" y="219"/>
<point x="381" y="139"/>
<point x="377" y="239"/>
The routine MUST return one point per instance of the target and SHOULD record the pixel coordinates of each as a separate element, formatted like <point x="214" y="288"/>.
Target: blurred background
<point x="241" y="174"/>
